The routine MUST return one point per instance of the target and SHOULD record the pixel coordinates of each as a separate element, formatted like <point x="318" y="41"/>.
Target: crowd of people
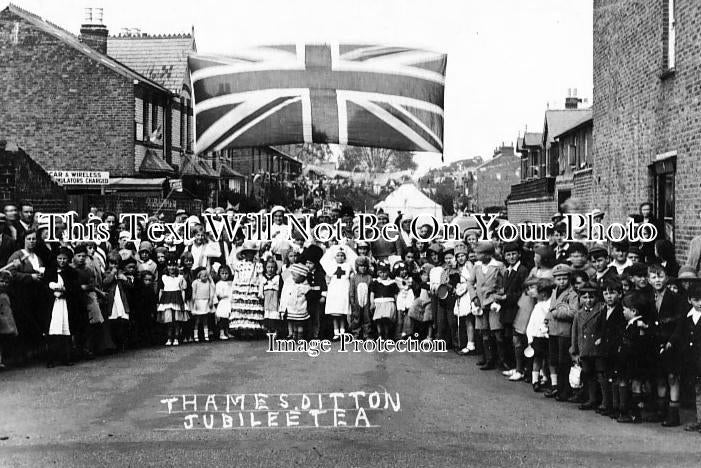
<point x="622" y="320"/>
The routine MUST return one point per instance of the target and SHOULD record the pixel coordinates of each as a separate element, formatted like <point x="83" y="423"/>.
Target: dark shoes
<point x="672" y="419"/>
<point x="537" y="387"/>
<point x="551" y="392"/>
<point x="589" y="405"/>
<point x="693" y="427"/>
<point x="488" y="366"/>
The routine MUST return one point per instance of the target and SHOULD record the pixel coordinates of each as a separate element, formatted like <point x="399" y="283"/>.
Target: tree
<point x="375" y="159"/>
<point x="404" y="161"/>
<point x="310" y="153"/>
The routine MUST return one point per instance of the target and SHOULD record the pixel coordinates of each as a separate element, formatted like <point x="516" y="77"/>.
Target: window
<point x="663" y="173"/>
<point x="145" y="113"/>
<point x="669" y="35"/>
<point x="188" y="124"/>
<point x="138" y="120"/>
<point x="183" y="123"/>
<point x="154" y="117"/>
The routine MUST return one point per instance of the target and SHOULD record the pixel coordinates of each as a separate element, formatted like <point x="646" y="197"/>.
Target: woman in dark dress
<point x="29" y="293"/>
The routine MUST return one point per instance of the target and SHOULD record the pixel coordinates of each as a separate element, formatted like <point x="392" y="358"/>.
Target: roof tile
<point x="162" y="58"/>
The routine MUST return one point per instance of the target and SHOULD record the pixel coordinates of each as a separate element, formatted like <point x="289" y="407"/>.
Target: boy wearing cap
<point x="560" y="246"/>
<point x="564" y="305"/>
<point x="610" y="330"/>
<point x="514" y="277"/>
<point x="585" y="339"/>
<point x="634" y="254"/>
<point x="487" y="288"/>
<point x="316" y="278"/>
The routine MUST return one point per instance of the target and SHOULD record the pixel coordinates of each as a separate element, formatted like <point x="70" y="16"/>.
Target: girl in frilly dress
<point x="171" y="302"/>
<point x="246" y="317"/>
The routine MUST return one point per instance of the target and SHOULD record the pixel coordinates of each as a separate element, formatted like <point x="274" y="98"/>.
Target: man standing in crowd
<point x="26" y="220"/>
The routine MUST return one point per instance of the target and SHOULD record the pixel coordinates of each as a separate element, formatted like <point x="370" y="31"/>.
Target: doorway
<point x="664" y="173"/>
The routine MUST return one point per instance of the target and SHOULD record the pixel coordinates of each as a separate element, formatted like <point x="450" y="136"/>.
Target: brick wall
<point x="493" y="181"/>
<point x="583" y="188"/>
<point x="639" y="113"/>
<point x="536" y="211"/>
<point x="68" y="111"/>
<point x="23" y="179"/>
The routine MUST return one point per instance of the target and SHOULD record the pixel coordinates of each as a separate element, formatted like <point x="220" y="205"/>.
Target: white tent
<point x="408" y="199"/>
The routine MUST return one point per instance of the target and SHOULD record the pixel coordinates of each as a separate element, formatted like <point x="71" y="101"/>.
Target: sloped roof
<point x="225" y="171"/>
<point x="160" y="58"/>
<point x="152" y="163"/>
<point x="532" y="139"/>
<point x="559" y="121"/>
<point x="72" y="41"/>
<point x="575" y="126"/>
<point x="194" y="166"/>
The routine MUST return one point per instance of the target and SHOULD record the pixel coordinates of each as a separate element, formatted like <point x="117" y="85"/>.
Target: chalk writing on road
<point x="357" y="409"/>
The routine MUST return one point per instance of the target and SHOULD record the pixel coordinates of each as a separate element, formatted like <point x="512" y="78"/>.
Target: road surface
<point x="109" y="412"/>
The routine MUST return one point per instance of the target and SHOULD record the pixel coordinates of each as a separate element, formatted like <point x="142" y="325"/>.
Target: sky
<point x="508" y="60"/>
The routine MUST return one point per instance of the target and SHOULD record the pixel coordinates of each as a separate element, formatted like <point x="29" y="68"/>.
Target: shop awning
<point x="226" y="172"/>
<point x="153" y="163"/>
<point x="134" y="183"/>
<point x="195" y="167"/>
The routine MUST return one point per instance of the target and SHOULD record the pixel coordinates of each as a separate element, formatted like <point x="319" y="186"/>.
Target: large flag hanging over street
<point x="379" y="96"/>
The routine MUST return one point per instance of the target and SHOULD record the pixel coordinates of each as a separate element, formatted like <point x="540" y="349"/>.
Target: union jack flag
<point x="378" y="96"/>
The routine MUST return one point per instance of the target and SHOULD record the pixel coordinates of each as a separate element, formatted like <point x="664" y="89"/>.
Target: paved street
<point x="108" y="412"/>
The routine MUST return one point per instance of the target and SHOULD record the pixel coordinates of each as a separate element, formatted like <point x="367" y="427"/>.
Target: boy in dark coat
<point x="514" y="277"/>
<point x="316" y="298"/>
<point x="603" y="271"/>
<point x="669" y="307"/>
<point x="633" y="354"/>
<point x="685" y="346"/>
<point x="610" y="329"/>
<point x="585" y="349"/>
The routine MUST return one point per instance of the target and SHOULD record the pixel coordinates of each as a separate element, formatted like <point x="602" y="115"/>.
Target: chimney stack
<point x="572" y="101"/>
<point x="93" y="32"/>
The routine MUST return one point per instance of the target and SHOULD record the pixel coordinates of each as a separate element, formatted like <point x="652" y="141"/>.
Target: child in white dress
<point x="338" y="297"/>
<point x="202" y="302"/>
<point x="222" y="299"/>
<point x="171" y="302"/>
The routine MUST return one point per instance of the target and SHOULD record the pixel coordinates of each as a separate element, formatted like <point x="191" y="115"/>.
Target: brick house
<point x="21" y="178"/>
<point x="575" y="149"/>
<point x="493" y="178"/>
<point x="73" y="107"/>
<point x="647" y="117"/>
<point x="163" y="59"/>
<point x="546" y="181"/>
